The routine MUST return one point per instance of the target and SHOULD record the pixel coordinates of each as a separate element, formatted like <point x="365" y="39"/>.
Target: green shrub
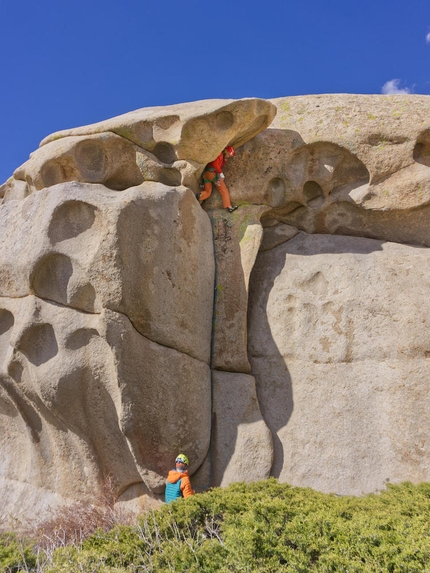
<point x="16" y="554"/>
<point x="266" y="527"/>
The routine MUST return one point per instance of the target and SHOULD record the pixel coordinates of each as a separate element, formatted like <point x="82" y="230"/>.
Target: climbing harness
<point x="214" y="180"/>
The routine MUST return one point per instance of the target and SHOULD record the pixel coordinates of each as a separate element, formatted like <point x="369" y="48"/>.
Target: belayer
<point x="213" y="175"/>
<point x="178" y="482"/>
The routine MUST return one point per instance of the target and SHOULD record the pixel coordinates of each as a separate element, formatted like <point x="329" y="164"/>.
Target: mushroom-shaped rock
<point x="195" y="131"/>
<point x="170" y="145"/>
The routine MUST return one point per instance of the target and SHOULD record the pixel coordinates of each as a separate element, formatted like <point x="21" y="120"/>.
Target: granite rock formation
<point x="106" y="292"/>
<point x="293" y="332"/>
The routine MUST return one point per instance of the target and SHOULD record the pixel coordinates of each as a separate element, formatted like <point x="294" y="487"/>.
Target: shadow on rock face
<point x="330" y="334"/>
<point x="269" y="365"/>
<point x="38" y="344"/>
<point x="274" y="388"/>
<point x="422" y="149"/>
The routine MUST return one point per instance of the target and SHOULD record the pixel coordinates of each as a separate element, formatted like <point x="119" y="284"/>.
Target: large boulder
<point x="98" y="377"/>
<point x="342" y="164"/>
<point x="242" y="442"/>
<point x="195" y="131"/>
<point x="339" y="346"/>
<point x="107" y="275"/>
<point x="84" y="396"/>
<point x="237" y="239"/>
<point x="169" y="144"/>
<point x="287" y="338"/>
<point x="146" y="252"/>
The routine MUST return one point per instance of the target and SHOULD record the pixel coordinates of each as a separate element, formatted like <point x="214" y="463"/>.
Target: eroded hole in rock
<point x="350" y="172"/>
<point x="51" y="277"/>
<point x="57" y="278"/>
<point x="70" y="219"/>
<point x="57" y="171"/>
<point x="52" y="173"/>
<point x="142" y="132"/>
<point x="71" y="399"/>
<point x="313" y="194"/>
<point x="224" y="120"/>
<point x="80" y="338"/>
<point x="6" y="325"/>
<point x="327" y="165"/>
<point x="118" y="183"/>
<point x="167" y="122"/>
<point x="6" y="321"/>
<point x="83" y="297"/>
<point x="164" y="152"/>
<point x="91" y="160"/>
<point x="15" y="370"/>
<point x="275" y="193"/>
<point x="171" y="177"/>
<point x="79" y="399"/>
<point x="38" y="344"/>
<point x="421" y="153"/>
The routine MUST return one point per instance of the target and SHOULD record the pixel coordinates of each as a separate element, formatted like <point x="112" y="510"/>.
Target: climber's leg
<point x="225" y="195"/>
<point x="206" y="193"/>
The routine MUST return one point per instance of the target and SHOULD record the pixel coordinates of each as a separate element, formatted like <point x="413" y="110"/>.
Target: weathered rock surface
<point x="88" y="393"/>
<point x="118" y="293"/>
<point x="194" y="131"/>
<point x="91" y="397"/>
<point x="242" y="447"/>
<point x="106" y="301"/>
<point x="339" y="345"/>
<point x="90" y="248"/>
<point x="242" y="442"/>
<point x="237" y="238"/>
<point x="342" y="164"/>
<point x="170" y="145"/>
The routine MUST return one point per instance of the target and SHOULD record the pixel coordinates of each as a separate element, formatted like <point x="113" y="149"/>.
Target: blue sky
<point x="68" y="63"/>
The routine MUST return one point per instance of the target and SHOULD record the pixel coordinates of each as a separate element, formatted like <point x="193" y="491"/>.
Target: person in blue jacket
<point x="178" y="482"/>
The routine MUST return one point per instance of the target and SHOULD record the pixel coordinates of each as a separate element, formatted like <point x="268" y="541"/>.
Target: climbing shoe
<point x="232" y="208"/>
<point x="198" y="196"/>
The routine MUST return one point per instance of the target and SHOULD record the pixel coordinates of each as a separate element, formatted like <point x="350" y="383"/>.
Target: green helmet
<point x="181" y="459"/>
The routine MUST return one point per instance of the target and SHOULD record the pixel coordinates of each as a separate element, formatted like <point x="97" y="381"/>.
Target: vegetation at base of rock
<point x="263" y="527"/>
<point x="16" y="554"/>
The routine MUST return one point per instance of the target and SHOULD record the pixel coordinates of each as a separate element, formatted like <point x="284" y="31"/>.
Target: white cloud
<point x="392" y="87"/>
<point x="428" y="38"/>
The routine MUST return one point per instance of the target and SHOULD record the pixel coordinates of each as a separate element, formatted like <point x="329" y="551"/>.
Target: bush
<point x="265" y="527"/>
<point x="74" y="523"/>
<point x="16" y="554"/>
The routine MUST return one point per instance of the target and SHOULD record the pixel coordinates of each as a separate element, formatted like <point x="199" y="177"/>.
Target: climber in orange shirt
<point x="178" y="482"/>
<point x="213" y="175"/>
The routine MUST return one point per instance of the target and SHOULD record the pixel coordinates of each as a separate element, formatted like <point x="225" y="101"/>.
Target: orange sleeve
<point x="186" y="488"/>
